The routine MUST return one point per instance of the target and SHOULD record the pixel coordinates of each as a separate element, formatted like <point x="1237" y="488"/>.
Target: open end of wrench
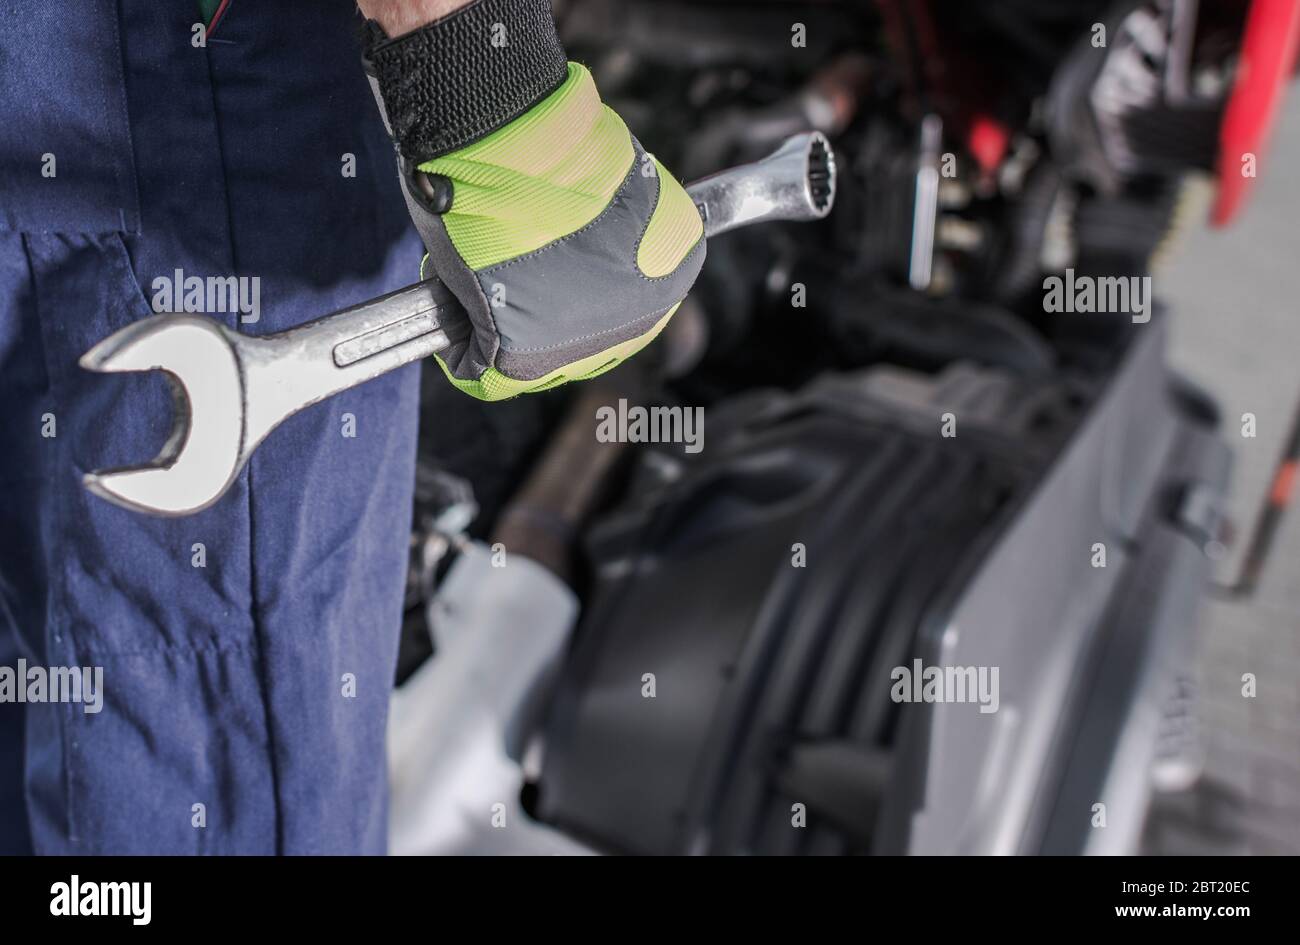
<point x="204" y="452"/>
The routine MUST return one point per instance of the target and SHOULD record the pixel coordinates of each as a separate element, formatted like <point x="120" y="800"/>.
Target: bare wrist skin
<point x="399" y="17"/>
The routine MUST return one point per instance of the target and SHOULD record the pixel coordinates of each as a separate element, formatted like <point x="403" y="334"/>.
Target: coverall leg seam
<point x="58" y="586"/>
<point x="258" y="629"/>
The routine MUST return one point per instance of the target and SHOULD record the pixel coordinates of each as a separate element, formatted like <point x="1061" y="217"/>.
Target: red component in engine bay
<point x="1268" y="57"/>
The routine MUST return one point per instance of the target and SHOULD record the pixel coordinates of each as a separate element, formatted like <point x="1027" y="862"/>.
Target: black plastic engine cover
<point x="765" y="588"/>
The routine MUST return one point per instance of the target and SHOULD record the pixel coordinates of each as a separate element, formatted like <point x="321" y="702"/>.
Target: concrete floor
<point x="1235" y="300"/>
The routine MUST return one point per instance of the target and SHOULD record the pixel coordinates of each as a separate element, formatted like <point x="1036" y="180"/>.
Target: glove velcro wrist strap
<point x="460" y="78"/>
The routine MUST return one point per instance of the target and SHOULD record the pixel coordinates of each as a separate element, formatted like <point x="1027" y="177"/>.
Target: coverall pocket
<point x="66" y="158"/>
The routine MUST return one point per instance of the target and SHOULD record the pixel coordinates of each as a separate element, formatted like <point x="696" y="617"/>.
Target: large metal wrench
<point x="231" y="390"/>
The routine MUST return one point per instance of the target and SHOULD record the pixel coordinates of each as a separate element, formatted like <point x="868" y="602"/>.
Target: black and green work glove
<point x="569" y="246"/>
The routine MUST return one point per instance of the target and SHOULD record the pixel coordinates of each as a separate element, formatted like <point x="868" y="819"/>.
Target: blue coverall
<point x="225" y="685"/>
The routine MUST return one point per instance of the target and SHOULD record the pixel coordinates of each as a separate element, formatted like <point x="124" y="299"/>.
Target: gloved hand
<point x="569" y="246"/>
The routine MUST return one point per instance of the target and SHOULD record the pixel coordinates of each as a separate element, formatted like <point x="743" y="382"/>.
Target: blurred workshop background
<point x="1235" y="295"/>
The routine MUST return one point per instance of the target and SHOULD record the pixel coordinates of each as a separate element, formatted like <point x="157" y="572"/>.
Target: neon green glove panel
<point x="547" y="173"/>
